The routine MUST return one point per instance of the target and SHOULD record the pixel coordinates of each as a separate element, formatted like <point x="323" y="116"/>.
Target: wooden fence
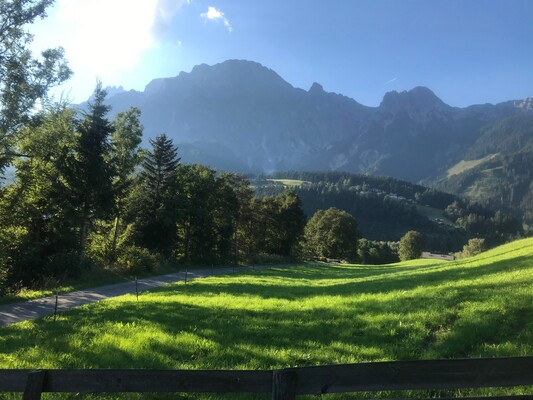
<point x="286" y="383"/>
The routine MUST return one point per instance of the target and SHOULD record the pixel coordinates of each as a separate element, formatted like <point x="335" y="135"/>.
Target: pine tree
<point x="87" y="173"/>
<point x="155" y="202"/>
<point x="160" y="166"/>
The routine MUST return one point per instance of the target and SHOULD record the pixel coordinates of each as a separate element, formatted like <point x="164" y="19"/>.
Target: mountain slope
<point x="242" y="116"/>
<point x="500" y="175"/>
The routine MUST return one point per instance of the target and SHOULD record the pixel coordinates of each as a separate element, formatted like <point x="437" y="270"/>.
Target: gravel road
<point x="32" y="309"/>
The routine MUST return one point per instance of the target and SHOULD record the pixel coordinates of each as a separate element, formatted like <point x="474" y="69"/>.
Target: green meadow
<point x="308" y="315"/>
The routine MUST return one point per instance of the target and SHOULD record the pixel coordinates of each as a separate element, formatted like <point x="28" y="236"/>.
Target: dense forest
<point x="386" y="208"/>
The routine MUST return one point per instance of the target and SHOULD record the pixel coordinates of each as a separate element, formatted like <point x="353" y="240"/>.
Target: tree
<point x="154" y="202"/>
<point x="39" y="223"/>
<point x="23" y="79"/>
<point x="125" y="154"/>
<point x="473" y="247"/>
<point x="86" y="170"/>
<point x="411" y="246"/>
<point x="333" y="234"/>
<point x="291" y="221"/>
<point x="197" y="222"/>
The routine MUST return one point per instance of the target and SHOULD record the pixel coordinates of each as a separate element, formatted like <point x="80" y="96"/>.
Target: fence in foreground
<point x="287" y="383"/>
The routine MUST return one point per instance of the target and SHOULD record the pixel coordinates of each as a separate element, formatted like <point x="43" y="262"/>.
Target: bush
<point x="66" y="264"/>
<point x="374" y="252"/>
<point x="137" y="259"/>
<point x="474" y="247"/>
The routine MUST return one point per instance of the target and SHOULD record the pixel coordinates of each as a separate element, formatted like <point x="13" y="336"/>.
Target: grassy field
<point x="434" y="214"/>
<point x="290" y="182"/>
<point x="312" y="315"/>
<point x="465" y="165"/>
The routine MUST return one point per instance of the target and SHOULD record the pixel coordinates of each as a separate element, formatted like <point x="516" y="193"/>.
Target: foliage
<point x="503" y="181"/>
<point x="23" y="79"/>
<point x="327" y="314"/>
<point x="36" y="203"/>
<point x="372" y="252"/>
<point x="332" y="234"/>
<point x="386" y="208"/>
<point x="153" y="204"/>
<point x="87" y="176"/>
<point x="474" y="247"/>
<point x="411" y="246"/>
<point x="137" y="259"/>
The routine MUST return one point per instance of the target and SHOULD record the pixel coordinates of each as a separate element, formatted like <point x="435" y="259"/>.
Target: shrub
<point x="473" y="247"/>
<point x="137" y="259"/>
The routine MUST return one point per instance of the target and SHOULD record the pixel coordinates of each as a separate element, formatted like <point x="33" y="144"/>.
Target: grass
<point x="87" y="279"/>
<point x="290" y="182"/>
<point x="312" y="315"/>
<point x="465" y="165"/>
<point x="434" y="214"/>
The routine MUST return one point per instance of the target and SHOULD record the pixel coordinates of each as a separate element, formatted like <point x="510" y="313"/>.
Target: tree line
<point x="85" y="194"/>
<point x="386" y="208"/>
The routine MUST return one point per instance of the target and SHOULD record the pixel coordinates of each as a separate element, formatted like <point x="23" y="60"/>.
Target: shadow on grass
<point x="376" y="316"/>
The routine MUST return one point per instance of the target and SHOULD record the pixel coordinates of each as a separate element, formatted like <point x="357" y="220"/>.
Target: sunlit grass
<point x="312" y="315"/>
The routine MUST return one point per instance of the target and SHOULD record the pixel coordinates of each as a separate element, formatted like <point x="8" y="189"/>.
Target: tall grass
<point x="312" y="315"/>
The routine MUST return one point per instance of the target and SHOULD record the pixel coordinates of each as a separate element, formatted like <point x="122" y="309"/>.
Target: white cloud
<point x="390" y="81"/>
<point x="214" y="14"/>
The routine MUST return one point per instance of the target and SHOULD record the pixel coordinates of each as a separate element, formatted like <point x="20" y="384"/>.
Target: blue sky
<point x="466" y="51"/>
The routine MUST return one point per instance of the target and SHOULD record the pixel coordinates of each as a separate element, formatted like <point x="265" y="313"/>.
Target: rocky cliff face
<point x="241" y="116"/>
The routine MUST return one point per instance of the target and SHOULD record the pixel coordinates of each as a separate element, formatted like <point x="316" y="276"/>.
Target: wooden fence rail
<point x="283" y="384"/>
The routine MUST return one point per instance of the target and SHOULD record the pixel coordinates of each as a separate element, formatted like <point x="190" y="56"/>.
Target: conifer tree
<point x="155" y="201"/>
<point x="87" y="173"/>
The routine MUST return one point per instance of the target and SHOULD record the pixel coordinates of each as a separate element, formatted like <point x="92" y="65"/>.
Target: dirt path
<point x="32" y="309"/>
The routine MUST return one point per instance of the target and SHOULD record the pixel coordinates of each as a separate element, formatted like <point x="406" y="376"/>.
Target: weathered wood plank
<point x="423" y="374"/>
<point x="517" y="397"/>
<point x="158" y="381"/>
<point x="399" y="375"/>
<point x="283" y="385"/>
<point x="13" y="380"/>
<point x="34" y="385"/>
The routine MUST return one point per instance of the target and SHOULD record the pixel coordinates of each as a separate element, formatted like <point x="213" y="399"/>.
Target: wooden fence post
<point x="34" y="385"/>
<point x="283" y="385"/>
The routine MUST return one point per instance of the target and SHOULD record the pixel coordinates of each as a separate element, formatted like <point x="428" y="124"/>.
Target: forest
<point x="85" y="194"/>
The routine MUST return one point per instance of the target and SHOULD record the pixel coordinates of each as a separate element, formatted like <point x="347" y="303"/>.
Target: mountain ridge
<point x="243" y="116"/>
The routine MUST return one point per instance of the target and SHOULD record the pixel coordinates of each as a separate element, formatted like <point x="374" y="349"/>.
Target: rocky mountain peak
<point x="419" y="98"/>
<point x="316" y="88"/>
<point x="525" y="104"/>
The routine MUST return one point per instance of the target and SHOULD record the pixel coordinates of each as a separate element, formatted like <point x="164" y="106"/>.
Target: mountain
<point x="241" y="116"/>
<point x="498" y="168"/>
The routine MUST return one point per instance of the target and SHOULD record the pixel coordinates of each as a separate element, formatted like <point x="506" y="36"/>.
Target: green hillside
<point x="502" y="182"/>
<point x="465" y="165"/>
<point x="308" y="315"/>
<point x="498" y="169"/>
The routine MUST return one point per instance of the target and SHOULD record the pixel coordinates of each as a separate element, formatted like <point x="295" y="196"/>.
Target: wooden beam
<point x="284" y="385"/>
<point x="34" y="385"/>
